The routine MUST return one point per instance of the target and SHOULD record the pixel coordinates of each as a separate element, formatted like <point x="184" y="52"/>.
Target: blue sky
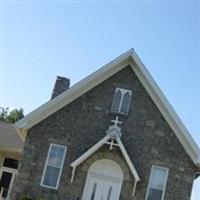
<point x="43" y="39"/>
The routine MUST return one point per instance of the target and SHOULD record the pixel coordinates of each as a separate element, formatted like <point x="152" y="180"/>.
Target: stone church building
<point x="112" y="136"/>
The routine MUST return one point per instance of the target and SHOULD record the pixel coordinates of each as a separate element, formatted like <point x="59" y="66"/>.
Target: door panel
<point x="102" y="189"/>
<point x="111" y="190"/>
<point x="93" y="189"/>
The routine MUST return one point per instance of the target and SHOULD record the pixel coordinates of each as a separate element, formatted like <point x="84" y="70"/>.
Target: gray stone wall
<point x="146" y="135"/>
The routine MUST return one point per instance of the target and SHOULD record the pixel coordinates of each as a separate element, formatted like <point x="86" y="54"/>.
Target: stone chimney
<point x="60" y="86"/>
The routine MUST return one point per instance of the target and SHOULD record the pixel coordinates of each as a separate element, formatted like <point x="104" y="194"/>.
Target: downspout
<point x="134" y="187"/>
<point x="73" y="173"/>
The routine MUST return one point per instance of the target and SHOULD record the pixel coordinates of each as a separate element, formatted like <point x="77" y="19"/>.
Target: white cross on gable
<point x="116" y="121"/>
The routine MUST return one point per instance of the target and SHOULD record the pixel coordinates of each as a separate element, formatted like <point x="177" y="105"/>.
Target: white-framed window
<point x="157" y="183"/>
<point x="53" y="166"/>
<point x="121" y="101"/>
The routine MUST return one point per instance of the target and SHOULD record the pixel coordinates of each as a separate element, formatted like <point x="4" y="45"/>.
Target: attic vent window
<point x="121" y="101"/>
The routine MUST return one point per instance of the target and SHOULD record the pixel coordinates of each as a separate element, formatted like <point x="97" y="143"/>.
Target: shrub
<point x="25" y="198"/>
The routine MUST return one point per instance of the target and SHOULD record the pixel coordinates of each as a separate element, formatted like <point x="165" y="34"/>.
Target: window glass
<point x="121" y="101"/>
<point x="51" y="176"/>
<point x="116" y="101"/>
<point x="157" y="183"/>
<point x="125" y="103"/>
<point x="56" y="156"/>
<point x="53" y="167"/>
<point x="5" y="181"/>
<point x="11" y="163"/>
<point x="158" y="178"/>
<point x="155" y="194"/>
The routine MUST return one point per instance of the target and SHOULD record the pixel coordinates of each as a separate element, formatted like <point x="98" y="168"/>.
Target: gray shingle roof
<point x="9" y="138"/>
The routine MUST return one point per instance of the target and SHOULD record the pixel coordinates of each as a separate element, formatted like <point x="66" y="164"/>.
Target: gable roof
<point x="10" y="140"/>
<point x="129" y="58"/>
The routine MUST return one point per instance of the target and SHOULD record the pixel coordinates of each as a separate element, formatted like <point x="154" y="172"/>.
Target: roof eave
<point x="11" y="150"/>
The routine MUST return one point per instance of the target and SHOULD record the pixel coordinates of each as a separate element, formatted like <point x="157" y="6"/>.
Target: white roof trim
<point x="97" y="146"/>
<point x="128" y="58"/>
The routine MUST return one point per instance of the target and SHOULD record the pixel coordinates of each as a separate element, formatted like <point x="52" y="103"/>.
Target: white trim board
<point x="129" y="58"/>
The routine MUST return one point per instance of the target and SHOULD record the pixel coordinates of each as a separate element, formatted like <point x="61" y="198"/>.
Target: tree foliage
<point x="11" y="116"/>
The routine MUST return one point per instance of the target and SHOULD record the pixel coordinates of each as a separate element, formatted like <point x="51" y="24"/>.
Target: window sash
<point x="154" y="191"/>
<point x="125" y="103"/>
<point x="56" y="156"/>
<point x="52" y="165"/>
<point x="155" y="194"/>
<point x="116" y="101"/>
<point x="51" y="176"/>
<point x="117" y="104"/>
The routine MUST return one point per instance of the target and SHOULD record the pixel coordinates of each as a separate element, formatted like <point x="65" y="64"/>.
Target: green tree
<point x="11" y="116"/>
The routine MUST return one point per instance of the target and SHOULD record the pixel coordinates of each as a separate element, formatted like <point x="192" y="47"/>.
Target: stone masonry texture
<point x="146" y="135"/>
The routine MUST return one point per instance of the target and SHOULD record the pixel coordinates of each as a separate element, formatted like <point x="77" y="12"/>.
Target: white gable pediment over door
<point x="112" y="139"/>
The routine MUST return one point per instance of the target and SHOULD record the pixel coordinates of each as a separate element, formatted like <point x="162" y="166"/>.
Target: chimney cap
<point x="61" y="77"/>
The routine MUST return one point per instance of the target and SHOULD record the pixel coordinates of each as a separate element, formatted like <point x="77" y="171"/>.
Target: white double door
<point x="102" y="188"/>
